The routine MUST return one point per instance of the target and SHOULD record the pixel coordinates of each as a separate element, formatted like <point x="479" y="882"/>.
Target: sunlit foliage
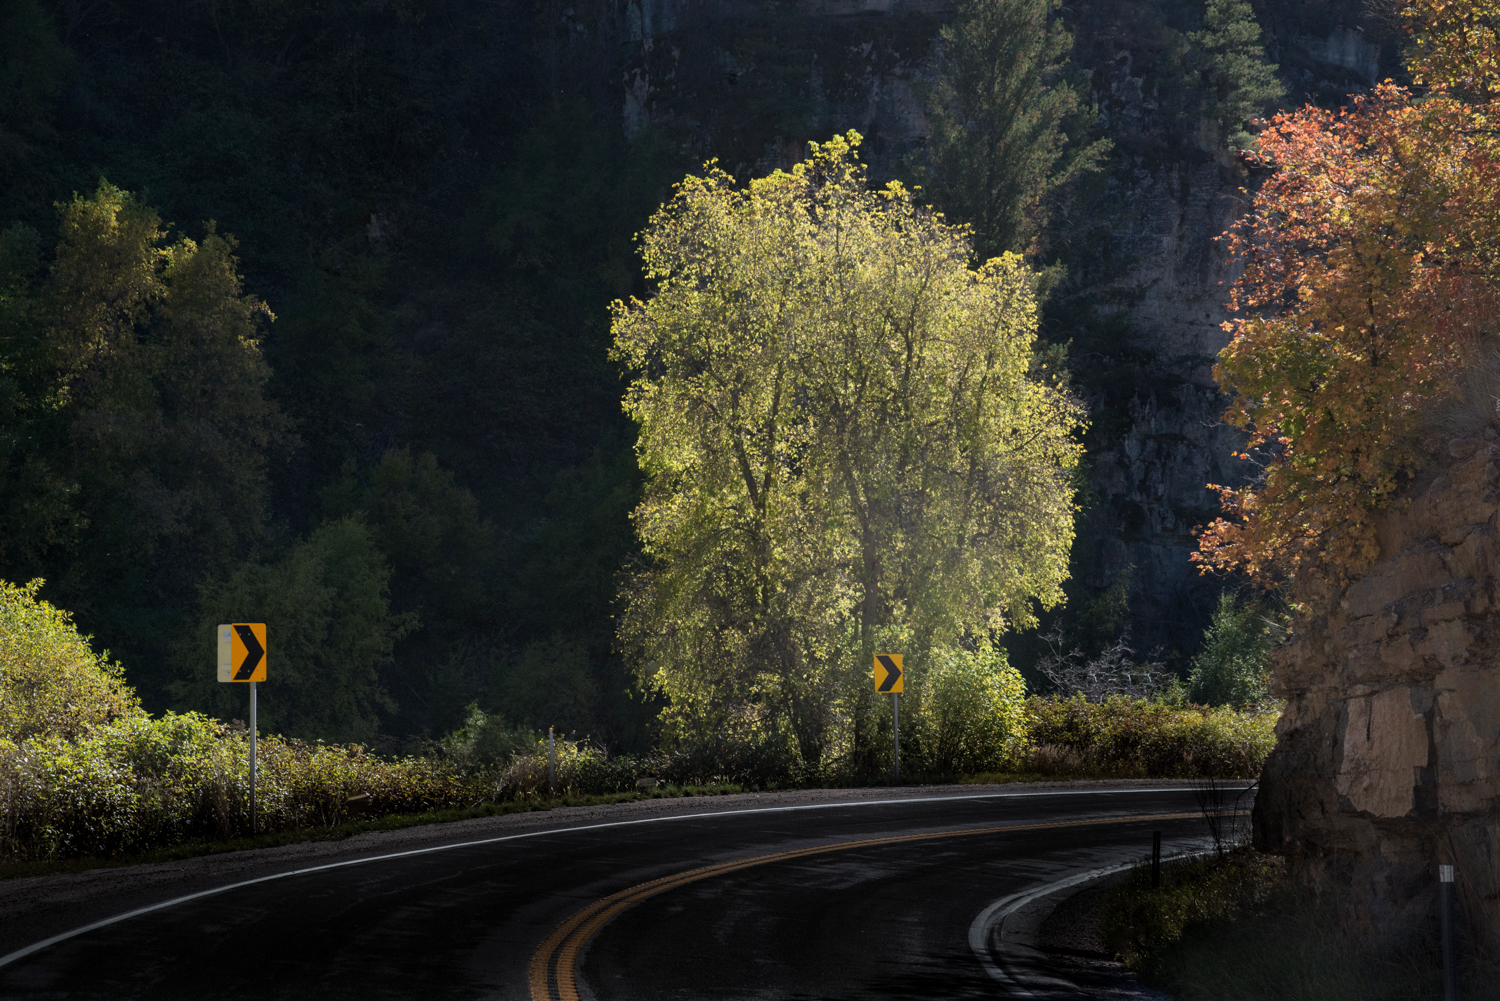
<point x="1139" y="738"/>
<point x="152" y="782"/>
<point x="51" y="681"/>
<point x="842" y="446"/>
<point x="970" y="717"/>
<point x="1370" y="274"/>
<point x="1234" y="665"/>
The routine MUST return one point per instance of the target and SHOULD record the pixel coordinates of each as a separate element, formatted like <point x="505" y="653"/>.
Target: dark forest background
<point x="437" y="201"/>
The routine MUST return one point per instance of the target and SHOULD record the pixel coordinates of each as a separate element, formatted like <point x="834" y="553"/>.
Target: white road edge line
<point x="992" y="918"/>
<point x="46" y="943"/>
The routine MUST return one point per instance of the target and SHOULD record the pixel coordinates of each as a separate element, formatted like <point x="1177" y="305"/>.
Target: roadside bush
<point x="970" y="716"/>
<point x="1139" y="922"/>
<point x="583" y="769"/>
<point x="1143" y="738"/>
<point x="140" y="783"/>
<point x="504" y="761"/>
<point x="769" y="762"/>
<point x="586" y="769"/>
<point x="485" y="741"/>
<point x="1234" y="666"/>
<point x="84" y="771"/>
<point x="51" y="682"/>
<point x="1236" y="928"/>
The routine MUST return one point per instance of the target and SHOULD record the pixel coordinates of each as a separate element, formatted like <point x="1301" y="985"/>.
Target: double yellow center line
<point x="554" y="973"/>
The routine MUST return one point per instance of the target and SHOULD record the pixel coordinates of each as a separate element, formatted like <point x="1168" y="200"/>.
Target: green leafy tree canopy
<point x="841" y="444"/>
<point x="330" y="635"/>
<point x="51" y="682"/>
<point x="135" y="426"/>
<point x="1234" y="666"/>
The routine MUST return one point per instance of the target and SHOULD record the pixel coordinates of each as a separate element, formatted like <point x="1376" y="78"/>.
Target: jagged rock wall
<point x="1151" y="469"/>
<point x="1387" y="760"/>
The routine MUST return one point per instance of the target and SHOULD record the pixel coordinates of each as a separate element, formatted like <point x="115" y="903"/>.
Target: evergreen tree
<point x="1008" y="130"/>
<point x="1230" y="74"/>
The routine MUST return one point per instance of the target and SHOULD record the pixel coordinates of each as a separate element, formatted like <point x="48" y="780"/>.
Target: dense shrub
<point x="484" y="742"/>
<point x="1234" y="666"/>
<point x="51" y="682"/>
<point x="1138" y="921"/>
<point x="766" y="763"/>
<point x="511" y="761"/>
<point x="582" y="769"/>
<point x="1144" y="738"/>
<point x="83" y="771"/>
<point x="141" y="783"/>
<point x="586" y="769"/>
<point x="970" y="716"/>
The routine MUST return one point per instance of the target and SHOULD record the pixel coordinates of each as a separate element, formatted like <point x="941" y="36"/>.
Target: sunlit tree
<point x="1370" y="276"/>
<point x="842" y="446"/>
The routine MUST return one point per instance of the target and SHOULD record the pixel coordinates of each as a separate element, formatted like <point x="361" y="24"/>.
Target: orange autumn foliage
<point x="1371" y="273"/>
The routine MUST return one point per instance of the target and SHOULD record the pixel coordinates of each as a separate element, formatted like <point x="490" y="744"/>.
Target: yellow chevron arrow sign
<point x="242" y="651"/>
<point x="888" y="676"/>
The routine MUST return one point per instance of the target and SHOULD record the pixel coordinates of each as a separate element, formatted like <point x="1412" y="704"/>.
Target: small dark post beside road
<point x="1155" y="859"/>
<point x="1450" y="949"/>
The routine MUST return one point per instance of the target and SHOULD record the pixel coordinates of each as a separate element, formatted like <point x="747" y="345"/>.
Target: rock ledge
<point x="1387" y="761"/>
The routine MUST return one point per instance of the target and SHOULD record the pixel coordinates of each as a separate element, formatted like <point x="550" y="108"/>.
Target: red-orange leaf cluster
<point x="1371" y="272"/>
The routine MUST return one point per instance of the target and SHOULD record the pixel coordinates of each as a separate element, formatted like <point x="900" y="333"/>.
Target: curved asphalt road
<point x="868" y="899"/>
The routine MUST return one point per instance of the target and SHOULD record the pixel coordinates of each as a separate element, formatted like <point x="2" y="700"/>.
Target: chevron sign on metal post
<point x="242" y="657"/>
<point x="242" y="651"/>
<point x="890" y="678"/>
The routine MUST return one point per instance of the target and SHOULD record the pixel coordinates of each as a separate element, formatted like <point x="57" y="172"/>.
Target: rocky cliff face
<point x="1388" y="755"/>
<point x="750" y="82"/>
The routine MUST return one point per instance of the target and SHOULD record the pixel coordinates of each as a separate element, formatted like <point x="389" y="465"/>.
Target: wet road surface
<point x="847" y="900"/>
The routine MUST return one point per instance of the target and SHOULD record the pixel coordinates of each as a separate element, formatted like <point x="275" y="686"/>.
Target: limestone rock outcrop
<point x="1387" y="761"/>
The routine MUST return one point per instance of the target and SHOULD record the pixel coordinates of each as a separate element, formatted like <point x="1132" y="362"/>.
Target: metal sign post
<point x="242" y="658"/>
<point x="252" y="759"/>
<point x="551" y="764"/>
<point x="889" y="678"/>
<point x="896" y="731"/>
